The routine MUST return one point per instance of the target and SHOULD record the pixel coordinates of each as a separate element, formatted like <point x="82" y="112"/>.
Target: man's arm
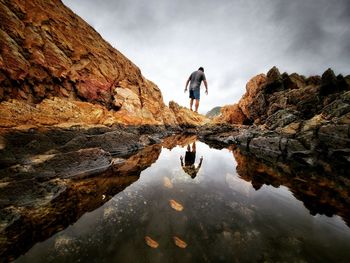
<point x="188" y="81"/>
<point x="200" y="163"/>
<point x="206" y="86"/>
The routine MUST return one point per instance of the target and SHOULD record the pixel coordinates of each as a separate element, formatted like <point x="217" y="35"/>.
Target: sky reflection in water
<point x="223" y="218"/>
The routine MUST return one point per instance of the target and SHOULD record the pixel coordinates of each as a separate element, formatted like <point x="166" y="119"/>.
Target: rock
<point x="313" y="124"/>
<point x="187" y="118"/>
<point x="281" y="118"/>
<point x="80" y="163"/>
<point x="33" y="210"/>
<point x="313" y="80"/>
<point x="232" y="114"/>
<point x="270" y="102"/>
<point x="334" y="136"/>
<point x="269" y="147"/>
<point x="253" y="101"/>
<point x="338" y="107"/>
<point x="290" y="129"/>
<point x="274" y="81"/>
<point x="328" y="82"/>
<point x="293" y="81"/>
<point x="48" y="51"/>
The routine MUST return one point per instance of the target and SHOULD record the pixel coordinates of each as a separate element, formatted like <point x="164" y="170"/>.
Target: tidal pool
<point x="176" y="212"/>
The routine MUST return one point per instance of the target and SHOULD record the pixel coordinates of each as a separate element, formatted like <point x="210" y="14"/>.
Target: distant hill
<point x="213" y="112"/>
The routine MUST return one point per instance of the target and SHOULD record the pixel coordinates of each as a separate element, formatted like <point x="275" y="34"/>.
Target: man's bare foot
<point x="191" y="109"/>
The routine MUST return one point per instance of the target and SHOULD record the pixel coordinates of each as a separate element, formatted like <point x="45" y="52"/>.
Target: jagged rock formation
<point x="291" y="117"/>
<point x="187" y="118"/>
<point x="277" y="100"/>
<point x="47" y="51"/>
<point x="231" y="114"/>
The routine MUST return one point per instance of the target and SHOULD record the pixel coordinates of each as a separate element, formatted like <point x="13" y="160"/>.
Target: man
<point x="196" y="79"/>
<point x="190" y="157"/>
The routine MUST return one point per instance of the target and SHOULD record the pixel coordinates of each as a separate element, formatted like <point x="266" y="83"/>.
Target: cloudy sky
<point x="233" y="40"/>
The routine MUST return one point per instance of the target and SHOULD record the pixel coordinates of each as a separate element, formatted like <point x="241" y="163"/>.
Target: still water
<point x="202" y="212"/>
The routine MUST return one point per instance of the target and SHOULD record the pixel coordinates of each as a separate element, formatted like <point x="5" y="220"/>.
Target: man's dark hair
<point x="201" y="68"/>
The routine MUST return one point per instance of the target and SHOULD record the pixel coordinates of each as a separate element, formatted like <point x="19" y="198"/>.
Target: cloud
<point x="232" y="39"/>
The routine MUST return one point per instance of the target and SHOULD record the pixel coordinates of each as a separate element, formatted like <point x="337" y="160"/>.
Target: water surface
<point x="218" y="216"/>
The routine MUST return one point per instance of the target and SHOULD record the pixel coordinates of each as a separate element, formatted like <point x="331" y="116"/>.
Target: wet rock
<point x="269" y="147"/>
<point x="83" y="162"/>
<point x="35" y="208"/>
<point x="334" y="136"/>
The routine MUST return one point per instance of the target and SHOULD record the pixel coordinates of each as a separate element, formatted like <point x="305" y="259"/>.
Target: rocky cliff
<point x="55" y="68"/>
<point x="276" y="100"/>
<point x="293" y="118"/>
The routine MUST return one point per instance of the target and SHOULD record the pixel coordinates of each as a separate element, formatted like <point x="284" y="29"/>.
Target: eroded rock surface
<point x="291" y="117"/>
<point x="187" y="118"/>
<point x="48" y="52"/>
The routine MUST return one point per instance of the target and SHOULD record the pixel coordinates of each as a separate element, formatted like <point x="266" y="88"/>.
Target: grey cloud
<point x="233" y="39"/>
<point x="314" y="27"/>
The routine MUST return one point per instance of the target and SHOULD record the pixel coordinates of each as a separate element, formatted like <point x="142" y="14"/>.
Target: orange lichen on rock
<point x="231" y="114"/>
<point x="242" y="113"/>
<point x="48" y="51"/>
<point x="186" y="117"/>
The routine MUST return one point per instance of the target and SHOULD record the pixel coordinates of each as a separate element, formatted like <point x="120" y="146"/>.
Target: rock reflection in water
<point x="166" y="216"/>
<point x="321" y="193"/>
<point x="24" y="224"/>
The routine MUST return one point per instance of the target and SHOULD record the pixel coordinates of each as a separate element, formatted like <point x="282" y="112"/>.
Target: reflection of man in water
<point x="190" y="158"/>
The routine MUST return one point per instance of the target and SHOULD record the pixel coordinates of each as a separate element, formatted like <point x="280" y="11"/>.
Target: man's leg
<point x="191" y="103"/>
<point x="196" y="105"/>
